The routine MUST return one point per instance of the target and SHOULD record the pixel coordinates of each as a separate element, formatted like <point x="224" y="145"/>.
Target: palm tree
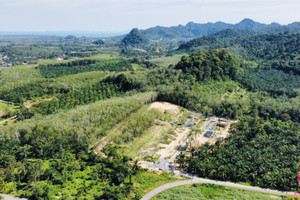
<point x="25" y="150"/>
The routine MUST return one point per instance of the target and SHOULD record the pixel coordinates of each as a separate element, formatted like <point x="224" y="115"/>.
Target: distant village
<point x="4" y="60"/>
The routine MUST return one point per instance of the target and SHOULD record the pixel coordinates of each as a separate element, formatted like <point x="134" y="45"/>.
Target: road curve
<point x="167" y="186"/>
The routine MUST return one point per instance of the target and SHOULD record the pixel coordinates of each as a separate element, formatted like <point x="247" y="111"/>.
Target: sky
<point x="116" y="16"/>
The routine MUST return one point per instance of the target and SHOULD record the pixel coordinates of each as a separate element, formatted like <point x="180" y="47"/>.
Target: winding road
<point x="167" y="186"/>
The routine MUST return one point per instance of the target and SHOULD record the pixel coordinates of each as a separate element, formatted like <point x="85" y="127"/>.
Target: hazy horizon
<point x="116" y="17"/>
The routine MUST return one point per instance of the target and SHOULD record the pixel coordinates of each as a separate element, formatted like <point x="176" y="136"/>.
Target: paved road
<point x="167" y="186"/>
<point x="7" y="197"/>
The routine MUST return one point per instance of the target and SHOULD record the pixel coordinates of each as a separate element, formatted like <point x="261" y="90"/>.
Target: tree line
<point x="81" y="66"/>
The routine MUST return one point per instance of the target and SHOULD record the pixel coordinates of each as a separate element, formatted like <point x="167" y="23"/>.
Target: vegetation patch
<point x="248" y="155"/>
<point x="81" y="66"/>
<point x="211" y="192"/>
<point x="276" y="82"/>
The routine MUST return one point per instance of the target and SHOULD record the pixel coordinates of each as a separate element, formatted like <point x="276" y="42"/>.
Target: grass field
<point x="212" y="192"/>
<point x="145" y="181"/>
<point x="166" y="61"/>
<point x="25" y="74"/>
<point x="18" y="75"/>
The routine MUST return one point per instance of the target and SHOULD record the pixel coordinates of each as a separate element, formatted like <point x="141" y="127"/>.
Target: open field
<point x="166" y="61"/>
<point x="19" y="74"/>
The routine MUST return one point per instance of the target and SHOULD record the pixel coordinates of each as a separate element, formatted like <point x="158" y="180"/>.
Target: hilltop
<point x="193" y="30"/>
<point x="135" y="38"/>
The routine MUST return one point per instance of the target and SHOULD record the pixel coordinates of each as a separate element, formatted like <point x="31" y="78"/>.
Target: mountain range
<point x="193" y="30"/>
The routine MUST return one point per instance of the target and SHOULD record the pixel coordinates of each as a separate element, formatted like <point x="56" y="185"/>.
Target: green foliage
<point x="211" y="65"/>
<point x="138" y="124"/>
<point x="135" y="38"/>
<point x="30" y="91"/>
<point x="276" y="82"/>
<point x="150" y="181"/>
<point x="45" y="161"/>
<point x="72" y="99"/>
<point x="98" y="42"/>
<point x="142" y="62"/>
<point x="261" y="153"/>
<point x="93" y="120"/>
<point x="80" y="66"/>
<point x="45" y="88"/>
<point x="193" y="30"/>
<point x="50" y="155"/>
<point x="7" y="110"/>
<point x="54" y="159"/>
<point x="207" y="98"/>
<point x="279" y="50"/>
<point x="210" y="192"/>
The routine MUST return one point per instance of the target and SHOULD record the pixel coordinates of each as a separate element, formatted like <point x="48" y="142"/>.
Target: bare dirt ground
<point x="163" y="106"/>
<point x="168" y="150"/>
<point x="223" y="133"/>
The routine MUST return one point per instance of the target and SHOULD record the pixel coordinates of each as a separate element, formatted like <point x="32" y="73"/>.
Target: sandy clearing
<point x="224" y="133"/>
<point x="163" y="106"/>
<point x="170" y="149"/>
<point x="200" y="139"/>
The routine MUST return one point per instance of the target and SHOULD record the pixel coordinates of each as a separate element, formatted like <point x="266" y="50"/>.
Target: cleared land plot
<point x="159" y="137"/>
<point x="219" y="133"/>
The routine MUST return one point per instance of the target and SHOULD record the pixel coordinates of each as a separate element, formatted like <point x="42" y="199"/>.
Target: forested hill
<point x="194" y="30"/>
<point x="272" y="49"/>
<point x="135" y="38"/>
<point x="212" y="65"/>
<point x="233" y="33"/>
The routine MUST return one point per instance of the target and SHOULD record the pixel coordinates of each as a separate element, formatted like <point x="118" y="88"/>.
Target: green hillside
<point x="135" y="38"/>
<point x="193" y="30"/>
